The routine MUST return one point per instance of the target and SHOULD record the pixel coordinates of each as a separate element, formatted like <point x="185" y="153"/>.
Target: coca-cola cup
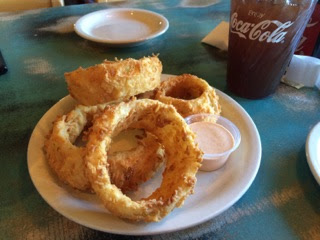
<point x="263" y="36"/>
<point x="308" y="43"/>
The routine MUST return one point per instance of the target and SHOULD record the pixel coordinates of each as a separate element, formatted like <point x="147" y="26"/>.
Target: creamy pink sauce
<point x="212" y="138"/>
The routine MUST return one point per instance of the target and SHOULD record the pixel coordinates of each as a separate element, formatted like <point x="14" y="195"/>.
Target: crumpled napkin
<point x="302" y="71"/>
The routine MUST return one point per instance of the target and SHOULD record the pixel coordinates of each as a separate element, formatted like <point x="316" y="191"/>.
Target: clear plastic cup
<point x="213" y="162"/>
<point x="263" y="36"/>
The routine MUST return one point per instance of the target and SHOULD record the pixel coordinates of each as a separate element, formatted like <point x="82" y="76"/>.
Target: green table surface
<point x="40" y="45"/>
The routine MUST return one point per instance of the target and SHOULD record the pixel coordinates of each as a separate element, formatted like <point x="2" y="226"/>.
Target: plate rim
<point x="139" y="232"/>
<point x="313" y="162"/>
<point x="134" y="42"/>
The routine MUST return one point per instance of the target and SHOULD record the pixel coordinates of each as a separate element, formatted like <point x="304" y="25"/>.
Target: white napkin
<point x="302" y="71"/>
<point x="219" y="36"/>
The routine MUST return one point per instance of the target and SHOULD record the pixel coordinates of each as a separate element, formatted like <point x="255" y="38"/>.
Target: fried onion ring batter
<point x="189" y="95"/>
<point x="67" y="160"/>
<point x="114" y="80"/>
<point x="183" y="158"/>
<point x="128" y="169"/>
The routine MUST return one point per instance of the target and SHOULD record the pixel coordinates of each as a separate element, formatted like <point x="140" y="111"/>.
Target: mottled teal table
<point x="39" y="46"/>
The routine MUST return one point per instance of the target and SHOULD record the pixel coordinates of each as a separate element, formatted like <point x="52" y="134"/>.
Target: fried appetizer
<point x="183" y="158"/>
<point x="114" y="80"/>
<point x="189" y="95"/>
<point x="129" y="169"/>
<point x="67" y="159"/>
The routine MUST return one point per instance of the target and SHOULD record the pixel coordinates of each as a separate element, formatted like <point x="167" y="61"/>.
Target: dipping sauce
<point x="216" y="136"/>
<point x="215" y="141"/>
<point x="212" y="138"/>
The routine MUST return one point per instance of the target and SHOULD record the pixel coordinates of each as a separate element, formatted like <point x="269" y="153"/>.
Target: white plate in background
<point x="121" y="26"/>
<point x="214" y="193"/>
<point x="313" y="151"/>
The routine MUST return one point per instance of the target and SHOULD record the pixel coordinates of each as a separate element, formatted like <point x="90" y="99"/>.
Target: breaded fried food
<point x="183" y="158"/>
<point x="114" y="80"/>
<point x="189" y="94"/>
<point x="64" y="157"/>
<point x="129" y="168"/>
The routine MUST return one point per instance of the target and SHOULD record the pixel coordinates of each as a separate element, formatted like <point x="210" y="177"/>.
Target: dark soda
<point x="263" y="36"/>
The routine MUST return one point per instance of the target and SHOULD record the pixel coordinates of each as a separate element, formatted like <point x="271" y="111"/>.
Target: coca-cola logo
<point x="311" y="24"/>
<point x="259" y="31"/>
<point x="300" y="47"/>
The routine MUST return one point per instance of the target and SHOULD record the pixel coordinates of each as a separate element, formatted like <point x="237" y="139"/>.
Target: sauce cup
<point x="214" y="161"/>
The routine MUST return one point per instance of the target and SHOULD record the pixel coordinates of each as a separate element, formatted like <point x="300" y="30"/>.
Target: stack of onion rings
<point x="189" y="95"/>
<point x="183" y="158"/>
<point x="167" y="138"/>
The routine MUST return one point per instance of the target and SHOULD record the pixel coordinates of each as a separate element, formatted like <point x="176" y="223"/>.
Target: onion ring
<point x="183" y="158"/>
<point x="128" y="169"/>
<point x="67" y="160"/>
<point x="189" y="95"/>
<point x="114" y="80"/>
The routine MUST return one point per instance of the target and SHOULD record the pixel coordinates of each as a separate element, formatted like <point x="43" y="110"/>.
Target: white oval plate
<point x="121" y="26"/>
<point x="214" y="192"/>
<point x="313" y="151"/>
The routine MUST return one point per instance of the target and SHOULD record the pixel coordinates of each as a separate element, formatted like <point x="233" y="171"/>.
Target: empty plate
<point x="121" y="26"/>
<point x="313" y="151"/>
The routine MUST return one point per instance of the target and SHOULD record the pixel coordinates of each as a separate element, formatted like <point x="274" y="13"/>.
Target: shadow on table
<point x="216" y="66"/>
<point x="302" y="199"/>
<point x="215" y="53"/>
<point x="127" y="50"/>
<point x="308" y="184"/>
